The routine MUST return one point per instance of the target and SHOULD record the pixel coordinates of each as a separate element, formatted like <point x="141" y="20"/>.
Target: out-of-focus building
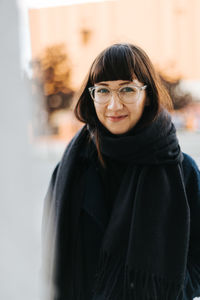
<point x="168" y="30"/>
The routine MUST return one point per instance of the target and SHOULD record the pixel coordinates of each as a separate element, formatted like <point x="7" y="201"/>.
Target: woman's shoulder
<point x="189" y="164"/>
<point x="191" y="170"/>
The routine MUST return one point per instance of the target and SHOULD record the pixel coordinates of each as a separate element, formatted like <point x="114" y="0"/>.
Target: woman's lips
<point x="116" y="118"/>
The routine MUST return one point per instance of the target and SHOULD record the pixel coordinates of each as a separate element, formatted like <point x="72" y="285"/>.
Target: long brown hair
<point x="122" y="62"/>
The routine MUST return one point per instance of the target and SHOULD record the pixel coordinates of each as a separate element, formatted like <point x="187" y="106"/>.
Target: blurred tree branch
<point x="52" y="78"/>
<point x="181" y="99"/>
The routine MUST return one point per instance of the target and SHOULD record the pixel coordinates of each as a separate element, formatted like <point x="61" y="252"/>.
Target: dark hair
<point x="122" y="62"/>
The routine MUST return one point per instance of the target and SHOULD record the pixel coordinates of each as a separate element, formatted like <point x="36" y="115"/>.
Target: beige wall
<point x="166" y="29"/>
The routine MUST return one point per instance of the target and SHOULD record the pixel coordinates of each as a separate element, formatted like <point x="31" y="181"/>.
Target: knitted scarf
<point x="144" y="249"/>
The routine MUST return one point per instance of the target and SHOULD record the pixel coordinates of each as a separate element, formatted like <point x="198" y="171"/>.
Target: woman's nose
<point x="115" y="103"/>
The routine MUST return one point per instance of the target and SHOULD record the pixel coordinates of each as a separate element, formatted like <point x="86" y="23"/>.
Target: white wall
<point x="23" y="178"/>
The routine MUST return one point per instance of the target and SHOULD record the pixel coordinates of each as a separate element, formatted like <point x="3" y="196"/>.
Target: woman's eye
<point x="128" y="89"/>
<point x="102" y="91"/>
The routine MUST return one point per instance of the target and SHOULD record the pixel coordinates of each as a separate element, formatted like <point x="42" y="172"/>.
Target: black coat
<point x="94" y="217"/>
<point x="77" y="189"/>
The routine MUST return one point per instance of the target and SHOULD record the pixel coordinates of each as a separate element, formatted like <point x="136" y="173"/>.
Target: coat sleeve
<point x="192" y="182"/>
<point x="48" y="240"/>
<point x="48" y="201"/>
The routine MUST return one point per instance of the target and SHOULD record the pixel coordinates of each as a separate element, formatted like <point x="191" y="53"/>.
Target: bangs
<point x="114" y="63"/>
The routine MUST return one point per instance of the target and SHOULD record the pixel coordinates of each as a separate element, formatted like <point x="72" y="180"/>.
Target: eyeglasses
<point x="127" y="94"/>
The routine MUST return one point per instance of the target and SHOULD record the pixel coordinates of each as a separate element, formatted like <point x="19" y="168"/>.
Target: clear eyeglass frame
<point x="138" y="88"/>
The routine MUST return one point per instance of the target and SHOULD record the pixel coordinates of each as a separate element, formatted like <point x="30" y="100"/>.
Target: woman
<point x="122" y="210"/>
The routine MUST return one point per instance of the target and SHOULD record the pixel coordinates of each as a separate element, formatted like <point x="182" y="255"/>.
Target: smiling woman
<point x="121" y="217"/>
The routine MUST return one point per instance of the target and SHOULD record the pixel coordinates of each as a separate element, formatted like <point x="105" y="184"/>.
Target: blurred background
<point x="47" y="47"/>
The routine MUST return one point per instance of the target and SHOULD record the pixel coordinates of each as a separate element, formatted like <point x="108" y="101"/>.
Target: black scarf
<point x="144" y="249"/>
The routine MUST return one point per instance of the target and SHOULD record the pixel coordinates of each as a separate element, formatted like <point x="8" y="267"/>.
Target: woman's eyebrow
<point x="102" y="83"/>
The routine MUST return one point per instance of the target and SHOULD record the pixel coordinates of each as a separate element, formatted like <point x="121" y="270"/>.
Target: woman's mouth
<point x="116" y="118"/>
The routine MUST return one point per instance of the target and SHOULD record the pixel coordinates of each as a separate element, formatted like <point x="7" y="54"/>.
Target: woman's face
<point x="116" y="116"/>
